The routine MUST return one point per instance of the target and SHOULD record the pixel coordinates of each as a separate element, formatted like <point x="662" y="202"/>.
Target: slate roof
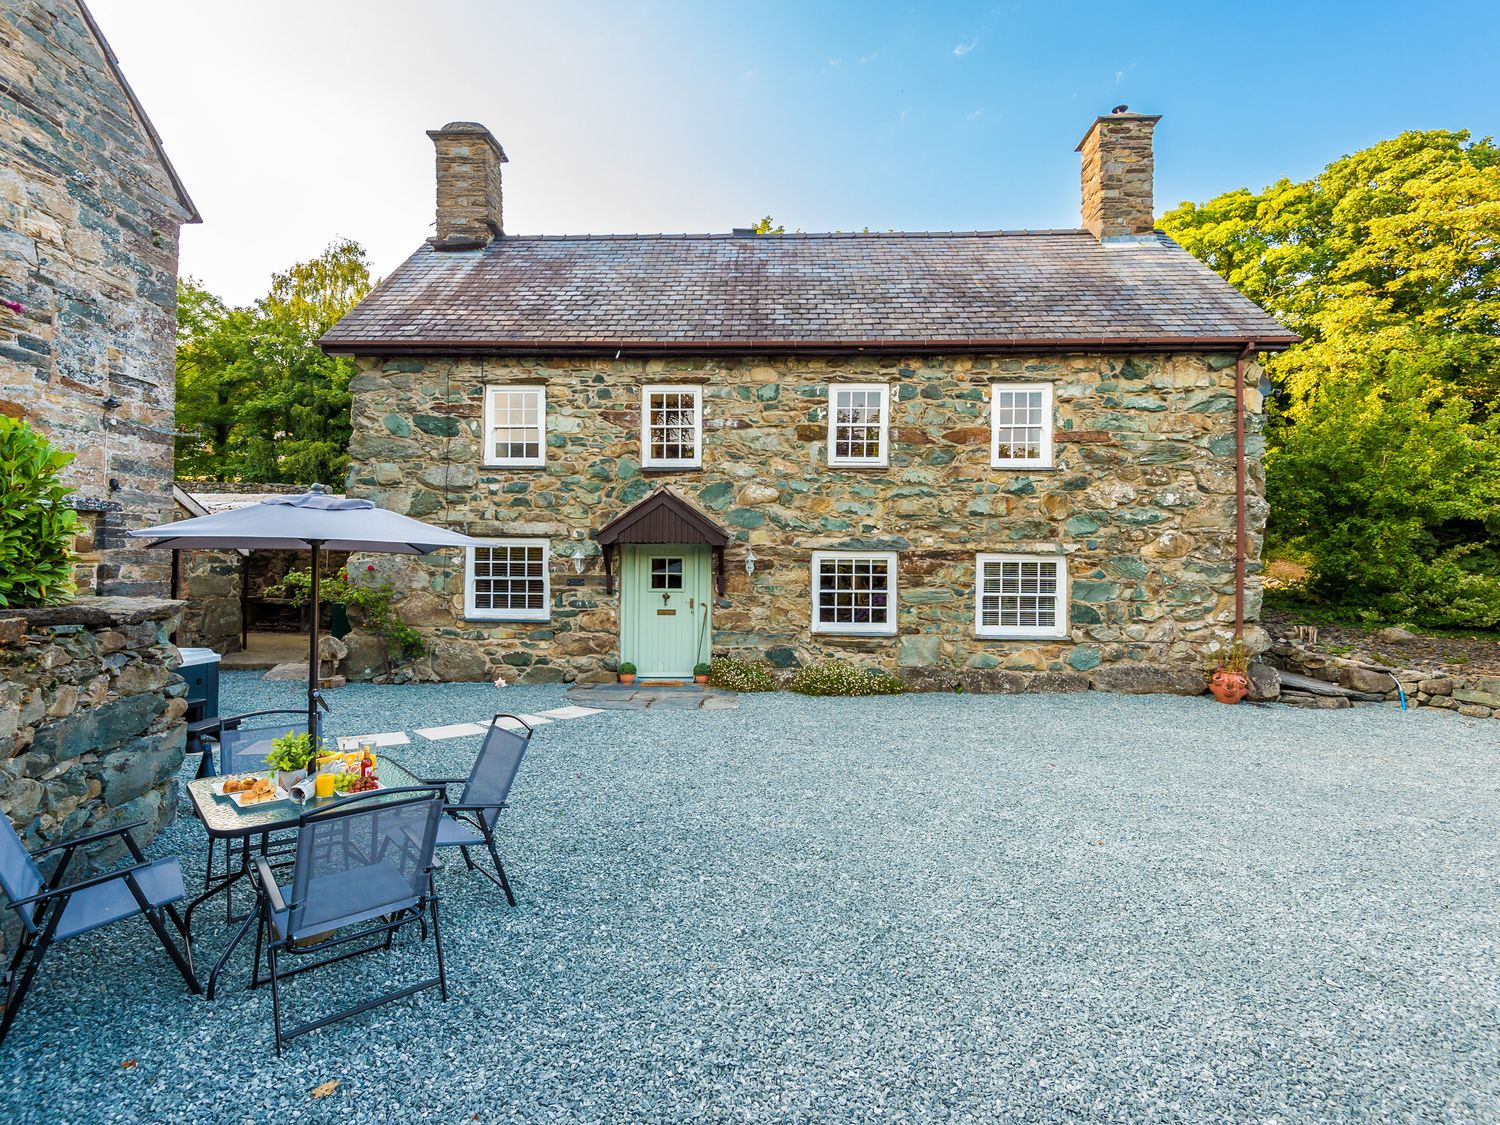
<point x="985" y="291"/>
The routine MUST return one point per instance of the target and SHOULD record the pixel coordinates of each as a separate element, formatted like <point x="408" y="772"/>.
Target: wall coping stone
<point x="97" y="612"/>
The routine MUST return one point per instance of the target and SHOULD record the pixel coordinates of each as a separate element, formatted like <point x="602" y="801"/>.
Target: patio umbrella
<point x="314" y="522"/>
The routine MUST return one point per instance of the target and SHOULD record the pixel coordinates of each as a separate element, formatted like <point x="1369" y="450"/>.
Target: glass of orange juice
<point x="323" y="783"/>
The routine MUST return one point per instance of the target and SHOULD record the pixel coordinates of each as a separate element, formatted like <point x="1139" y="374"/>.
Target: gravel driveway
<point x="1023" y="908"/>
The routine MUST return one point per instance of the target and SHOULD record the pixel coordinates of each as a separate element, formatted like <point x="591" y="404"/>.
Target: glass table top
<point x="222" y="817"/>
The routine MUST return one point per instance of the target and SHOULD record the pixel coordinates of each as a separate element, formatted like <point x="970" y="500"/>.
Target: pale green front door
<point x="666" y="599"/>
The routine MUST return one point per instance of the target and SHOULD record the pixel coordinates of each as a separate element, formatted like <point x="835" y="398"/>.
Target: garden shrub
<point x="374" y="601"/>
<point x="36" y="526"/>
<point x="839" y="677"/>
<point x="1390" y="488"/>
<point x="740" y="675"/>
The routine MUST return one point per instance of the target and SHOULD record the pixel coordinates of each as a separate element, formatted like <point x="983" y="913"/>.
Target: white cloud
<point x="834" y="62"/>
<point x="870" y="57"/>
<point x="964" y="48"/>
<point x="1119" y="74"/>
<point x="974" y="115"/>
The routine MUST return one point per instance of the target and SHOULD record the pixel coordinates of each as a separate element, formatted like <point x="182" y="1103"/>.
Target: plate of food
<point x="346" y="784"/>
<point x="247" y="791"/>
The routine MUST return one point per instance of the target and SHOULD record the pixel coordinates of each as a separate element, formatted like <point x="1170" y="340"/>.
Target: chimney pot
<point x="469" y="212"/>
<point x="1118" y="170"/>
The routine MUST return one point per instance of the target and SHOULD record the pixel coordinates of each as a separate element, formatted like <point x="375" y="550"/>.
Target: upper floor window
<point x="858" y="423"/>
<point x="854" y="592"/>
<point x="506" y="580"/>
<point x="1021" y="596"/>
<point x="515" y="425"/>
<point x="671" y="427"/>
<point x="1021" y="425"/>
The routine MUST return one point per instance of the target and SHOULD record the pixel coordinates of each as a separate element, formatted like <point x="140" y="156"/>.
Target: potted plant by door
<point x="627" y="672"/>
<point x="1229" y="675"/>
<point x="290" y="756"/>
<point x="700" y="673"/>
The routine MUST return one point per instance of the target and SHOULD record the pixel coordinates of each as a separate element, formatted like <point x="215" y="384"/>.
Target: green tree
<point x="765" y="226"/>
<point x="1390" y="251"/>
<point x="257" y="399"/>
<point x="1390" y="485"/>
<point x="1383" y="467"/>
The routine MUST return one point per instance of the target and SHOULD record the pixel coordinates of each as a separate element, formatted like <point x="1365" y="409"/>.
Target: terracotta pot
<point x="1229" y="687"/>
<point x="700" y="679"/>
<point x="627" y="677"/>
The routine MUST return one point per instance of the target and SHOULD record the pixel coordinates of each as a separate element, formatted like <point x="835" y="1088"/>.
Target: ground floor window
<point x="506" y="580"/>
<point x="1021" y="596"/>
<point x="854" y="592"/>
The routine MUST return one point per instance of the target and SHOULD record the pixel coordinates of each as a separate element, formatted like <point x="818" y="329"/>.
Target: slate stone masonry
<point x="1141" y="504"/>
<point x="89" y="219"/>
<point x="91" y="719"/>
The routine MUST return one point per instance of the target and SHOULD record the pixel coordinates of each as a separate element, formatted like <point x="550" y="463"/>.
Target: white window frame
<point x="883" y="458"/>
<point x="888" y="627"/>
<point x="472" y="612"/>
<point x="490" y="393"/>
<point x="1045" y="461"/>
<point x="649" y="462"/>
<point x="1058" y="631"/>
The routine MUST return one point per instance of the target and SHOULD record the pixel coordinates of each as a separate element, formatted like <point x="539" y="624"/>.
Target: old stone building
<point x="967" y="457"/>
<point x="90" y="210"/>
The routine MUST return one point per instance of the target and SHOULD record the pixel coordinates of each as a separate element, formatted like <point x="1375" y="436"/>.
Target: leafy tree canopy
<point x="257" y="400"/>
<point x="1394" y="250"/>
<point x="1383" y="469"/>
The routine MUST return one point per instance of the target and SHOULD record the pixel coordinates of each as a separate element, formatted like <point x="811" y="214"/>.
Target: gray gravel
<point x="1028" y="908"/>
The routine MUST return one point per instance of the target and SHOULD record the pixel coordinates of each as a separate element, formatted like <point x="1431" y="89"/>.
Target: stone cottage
<point x="90" y="211"/>
<point x="969" y="457"/>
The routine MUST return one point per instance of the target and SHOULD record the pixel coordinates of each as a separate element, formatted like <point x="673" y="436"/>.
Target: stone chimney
<point x="1117" y="176"/>
<point x="468" y="186"/>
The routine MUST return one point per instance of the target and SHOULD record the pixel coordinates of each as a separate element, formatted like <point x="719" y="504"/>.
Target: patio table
<point x="224" y="820"/>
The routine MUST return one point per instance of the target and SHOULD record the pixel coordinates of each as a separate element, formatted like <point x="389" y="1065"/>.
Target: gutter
<point x="1239" y="487"/>
<point x="617" y="348"/>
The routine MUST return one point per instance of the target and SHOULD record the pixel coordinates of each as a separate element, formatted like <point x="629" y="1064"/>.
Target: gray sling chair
<point x="470" y="821"/>
<point x="362" y="871"/>
<point x="52" y="910"/>
<point x="243" y="749"/>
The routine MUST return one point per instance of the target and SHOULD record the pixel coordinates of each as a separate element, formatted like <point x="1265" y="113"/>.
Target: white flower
<point x="500" y="681"/>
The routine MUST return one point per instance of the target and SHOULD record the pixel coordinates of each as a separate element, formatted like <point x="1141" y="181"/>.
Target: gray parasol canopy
<point x="296" y="523"/>
<point x="314" y="522"/>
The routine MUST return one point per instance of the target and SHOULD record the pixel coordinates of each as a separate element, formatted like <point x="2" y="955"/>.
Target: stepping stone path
<point x="639" y="697"/>
<point x="464" y="730"/>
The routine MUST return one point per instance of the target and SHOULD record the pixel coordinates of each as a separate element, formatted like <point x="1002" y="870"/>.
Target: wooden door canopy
<point x="663" y="517"/>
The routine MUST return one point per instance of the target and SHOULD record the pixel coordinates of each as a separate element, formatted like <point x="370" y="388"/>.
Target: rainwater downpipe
<point x="1239" y="487"/>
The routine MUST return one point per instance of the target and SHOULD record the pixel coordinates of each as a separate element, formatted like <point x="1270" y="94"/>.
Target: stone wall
<point x="91" y="719"/>
<point x="1472" y="695"/>
<point x="209" y="584"/>
<point x="89" y="223"/>
<point x="1141" y="503"/>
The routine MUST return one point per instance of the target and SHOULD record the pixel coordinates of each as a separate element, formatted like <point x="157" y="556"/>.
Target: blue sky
<point x="295" y="122"/>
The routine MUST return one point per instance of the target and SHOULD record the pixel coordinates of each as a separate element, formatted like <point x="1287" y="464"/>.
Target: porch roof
<point x="662" y="517"/>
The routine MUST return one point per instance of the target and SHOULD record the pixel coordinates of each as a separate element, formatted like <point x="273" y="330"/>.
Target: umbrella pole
<point x="312" y="651"/>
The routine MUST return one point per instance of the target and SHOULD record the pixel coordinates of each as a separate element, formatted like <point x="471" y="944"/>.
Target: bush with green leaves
<point x="839" y="677"/>
<point x="1389" y="487"/>
<point x="373" y="601"/>
<point x="36" y="525"/>
<point x="740" y="675"/>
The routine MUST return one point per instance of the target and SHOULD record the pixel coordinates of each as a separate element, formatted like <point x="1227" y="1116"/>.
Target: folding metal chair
<point x="362" y="871"/>
<point x="53" y="911"/>
<point x="470" y="821"/>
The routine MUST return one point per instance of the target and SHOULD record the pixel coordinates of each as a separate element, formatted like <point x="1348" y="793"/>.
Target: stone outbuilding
<point x="1006" y="453"/>
<point x="90" y="211"/>
<point x="229" y="601"/>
